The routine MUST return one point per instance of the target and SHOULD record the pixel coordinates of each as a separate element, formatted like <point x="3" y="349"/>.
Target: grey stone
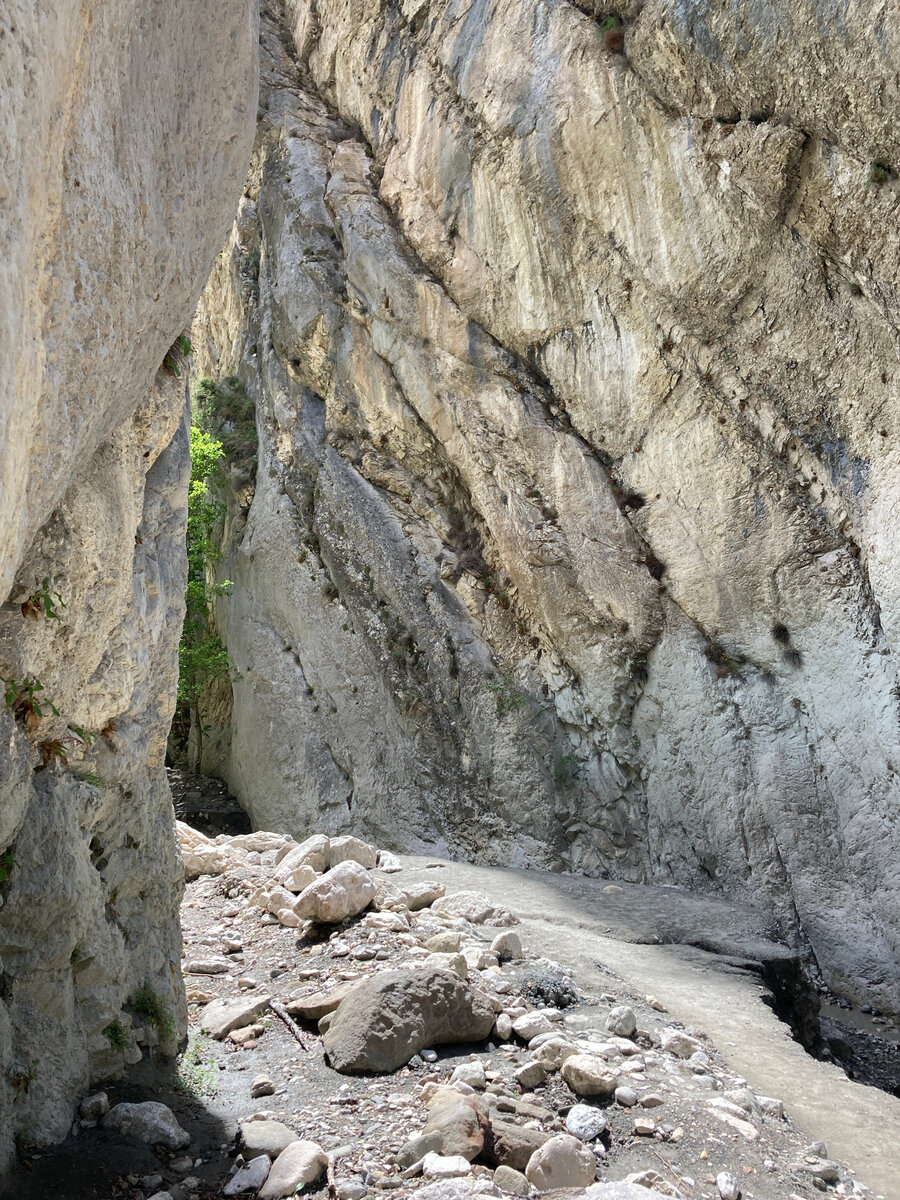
<point x="222" y="1016"/>
<point x="509" y="1145"/>
<point x="265" y="1137"/>
<point x="626" y="1096"/>
<point x="148" y="1121"/>
<point x="395" y="1014"/>
<point x="92" y="1108"/>
<point x="621" y="1021"/>
<point x="511" y="1181"/>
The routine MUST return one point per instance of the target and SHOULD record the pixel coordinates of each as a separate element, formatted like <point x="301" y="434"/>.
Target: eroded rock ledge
<point x="571" y="541"/>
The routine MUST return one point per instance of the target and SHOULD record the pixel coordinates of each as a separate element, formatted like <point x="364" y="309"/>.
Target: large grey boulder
<point x="150" y="1122"/>
<point x="386" y="1019"/>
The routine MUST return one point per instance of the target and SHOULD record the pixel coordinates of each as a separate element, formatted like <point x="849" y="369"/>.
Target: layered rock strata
<point x="574" y="356"/>
<point x="126" y="132"/>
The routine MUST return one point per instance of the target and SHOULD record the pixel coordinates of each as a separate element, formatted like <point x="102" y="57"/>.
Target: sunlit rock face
<point x="572" y="535"/>
<point x="127" y="128"/>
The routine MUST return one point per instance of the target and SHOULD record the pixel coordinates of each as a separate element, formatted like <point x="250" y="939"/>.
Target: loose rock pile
<point x="402" y="1037"/>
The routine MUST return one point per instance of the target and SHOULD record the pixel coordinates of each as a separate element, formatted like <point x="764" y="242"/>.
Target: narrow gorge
<point x="553" y="356"/>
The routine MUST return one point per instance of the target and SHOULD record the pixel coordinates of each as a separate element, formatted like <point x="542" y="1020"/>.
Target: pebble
<point x="644" y="1126"/>
<point x="471" y="1073"/>
<point x="206" y="966"/>
<point x="626" y="1096"/>
<point x="727" y="1185"/>
<point x="621" y="1021"/>
<point x="92" y="1108"/>
<point x="262" y="1085"/>
<point x="504" y="1027"/>
<point x="440" y="1166"/>
<point x="512" y="1181"/>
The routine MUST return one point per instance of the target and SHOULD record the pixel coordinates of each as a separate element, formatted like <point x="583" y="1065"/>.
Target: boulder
<point x="266" y="1137"/>
<point x="588" y="1075"/>
<point x="513" y="1182"/>
<point x="458" y="1124"/>
<point x="507" y="945"/>
<point x="394" y="1014"/>
<point x="298" y="879"/>
<point x="562" y="1162"/>
<point x="316" y="1005"/>
<point x="298" y="1164"/>
<point x="677" y="1042"/>
<point x="509" y="1145"/>
<point x="440" y="1166"/>
<point x="260" y="842"/>
<point x="422" y="895"/>
<point x="351" y="849"/>
<point x="311" y="853"/>
<point x="621" y="1021"/>
<point x="221" y="1016"/>
<point x="149" y="1122"/>
<point x="474" y="907"/>
<point x="342" y="892"/>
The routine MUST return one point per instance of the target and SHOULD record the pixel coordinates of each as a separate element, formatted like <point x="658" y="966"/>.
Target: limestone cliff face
<point x="126" y="132"/>
<point x="573" y="533"/>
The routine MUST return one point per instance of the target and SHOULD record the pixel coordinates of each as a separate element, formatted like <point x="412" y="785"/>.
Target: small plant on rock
<point x="176" y="355"/>
<point x="7" y="862"/>
<point x="509" y="698"/>
<point x="53" y="751"/>
<point x="45" y="601"/>
<point x="612" y="33"/>
<point x="20" y="698"/>
<point x="151" y="1009"/>
<point x="116" y="1035"/>
<point x="565" y="772"/>
<point x="877" y="173"/>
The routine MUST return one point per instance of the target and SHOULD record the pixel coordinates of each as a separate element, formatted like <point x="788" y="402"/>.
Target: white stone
<point x="676" y="1041"/>
<point x="440" y="1166"/>
<point x="351" y="849"/>
<point x="298" y="1164"/>
<point x="342" y="892"/>
<point x="727" y="1186"/>
<point x="475" y="907"/>
<point x="588" y="1075"/>
<point x="471" y="1073"/>
<point x="585" y="1122"/>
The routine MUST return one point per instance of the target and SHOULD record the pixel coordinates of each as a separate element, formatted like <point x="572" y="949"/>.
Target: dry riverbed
<point x="563" y="1086"/>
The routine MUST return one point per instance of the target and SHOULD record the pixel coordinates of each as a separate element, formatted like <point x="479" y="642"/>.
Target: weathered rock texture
<point x="573" y="531"/>
<point x="126" y="131"/>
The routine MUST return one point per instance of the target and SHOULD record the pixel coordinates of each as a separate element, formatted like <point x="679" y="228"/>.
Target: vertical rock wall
<point x="575" y="361"/>
<point x="126" y="128"/>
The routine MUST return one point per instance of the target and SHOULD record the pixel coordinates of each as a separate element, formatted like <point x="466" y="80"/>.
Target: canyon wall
<point x="572" y="535"/>
<point x="127" y="128"/>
